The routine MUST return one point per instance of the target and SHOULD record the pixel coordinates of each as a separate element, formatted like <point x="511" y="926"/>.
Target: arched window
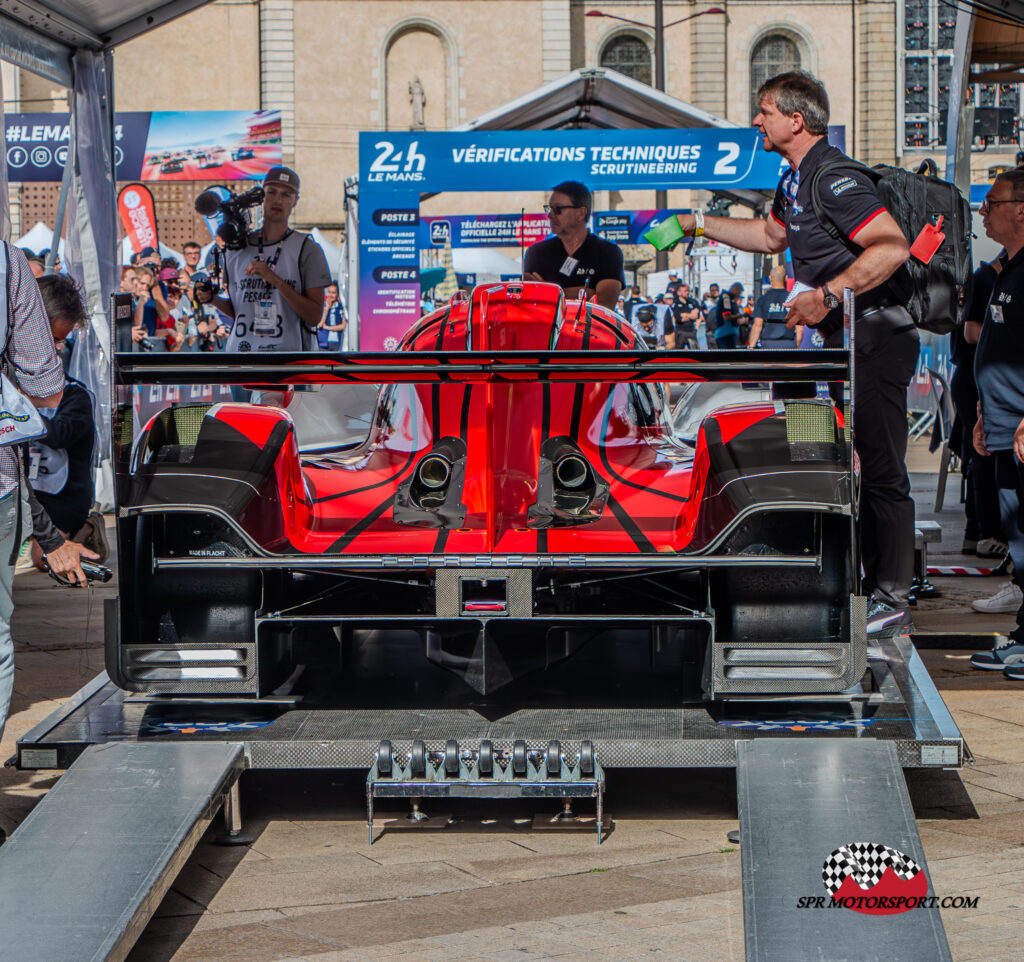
<point x="773" y="55"/>
<point x="628" y="54"/>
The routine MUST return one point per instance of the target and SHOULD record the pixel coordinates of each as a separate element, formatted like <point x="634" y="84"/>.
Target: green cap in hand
<point x="666" y="235"/>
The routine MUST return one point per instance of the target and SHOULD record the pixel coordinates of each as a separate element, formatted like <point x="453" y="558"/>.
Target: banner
<point x="138" y="217"/>
<point x="629" y="226"/>
<point x="158" y="145"/>
<point x="703" y="158"/>
<point x="395" y="168"/>
<point x="484" y="230"/>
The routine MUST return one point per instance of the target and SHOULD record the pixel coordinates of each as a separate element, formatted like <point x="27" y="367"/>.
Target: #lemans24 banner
<point x="395" y="168"/>
<point x="158" y="145"/>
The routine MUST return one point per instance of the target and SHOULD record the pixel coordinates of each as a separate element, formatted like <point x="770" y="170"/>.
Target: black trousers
<point x="886" y="358"/>
<point x="1009" y="476"/>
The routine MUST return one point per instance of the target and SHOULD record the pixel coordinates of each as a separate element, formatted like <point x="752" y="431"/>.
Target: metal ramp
<point x="83" y="874"/>
<point x="799" y="801"/>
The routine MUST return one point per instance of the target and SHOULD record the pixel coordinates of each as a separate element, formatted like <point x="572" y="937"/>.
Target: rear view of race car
<point x="532" y="483"/>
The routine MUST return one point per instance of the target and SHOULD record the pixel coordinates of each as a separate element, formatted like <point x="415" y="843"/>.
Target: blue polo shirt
<point x="771" y="307"/>
<point x="999" y="360"/>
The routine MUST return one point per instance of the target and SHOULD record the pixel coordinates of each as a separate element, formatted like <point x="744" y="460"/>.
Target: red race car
<point x="532" y="478"/>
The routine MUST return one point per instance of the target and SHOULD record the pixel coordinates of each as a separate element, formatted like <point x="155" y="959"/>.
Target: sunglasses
<point x="558" y="208"/>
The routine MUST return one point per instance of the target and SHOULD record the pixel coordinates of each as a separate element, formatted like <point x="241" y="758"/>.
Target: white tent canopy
<point x="39" y="239"/>
<point x="481" y="260"/>
<point x="331" y="251"/>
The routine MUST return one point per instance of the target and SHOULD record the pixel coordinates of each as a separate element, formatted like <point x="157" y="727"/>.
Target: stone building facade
<point x="336" y="67"/>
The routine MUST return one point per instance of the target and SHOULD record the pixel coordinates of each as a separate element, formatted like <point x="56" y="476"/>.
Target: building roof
<point x="592" y="98"/>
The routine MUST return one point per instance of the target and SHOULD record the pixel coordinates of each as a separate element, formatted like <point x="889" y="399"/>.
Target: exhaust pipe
<point x="571" y="471"/>
<point x="434" y="471"/>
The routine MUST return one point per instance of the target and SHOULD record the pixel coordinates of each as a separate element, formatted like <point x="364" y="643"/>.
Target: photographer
<point x="151" y="308"/>
<point x="656" y="332"/>
<point x="274" y="286"/>
<point x="206" y="327"/>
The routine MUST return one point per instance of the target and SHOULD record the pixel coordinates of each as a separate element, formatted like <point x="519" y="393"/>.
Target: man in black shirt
<point x="728" y="316"/>
<point x="793" y="121"/>
<point x="632" y="302"/>
<point x="687" y="316"/>
<point x="769" y="329"/>
<point x="575" y="258"/>
<point x="999" y="372"/>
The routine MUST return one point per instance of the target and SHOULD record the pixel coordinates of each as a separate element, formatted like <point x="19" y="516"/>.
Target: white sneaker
<point x="990" y="548"/>
<point x="1007" y="600"/>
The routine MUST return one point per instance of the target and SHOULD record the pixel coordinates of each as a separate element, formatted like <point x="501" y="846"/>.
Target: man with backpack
<point x="867" y="249"/>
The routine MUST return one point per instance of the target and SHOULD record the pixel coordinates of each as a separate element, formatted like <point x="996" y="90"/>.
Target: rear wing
<point x="481" y="367"/>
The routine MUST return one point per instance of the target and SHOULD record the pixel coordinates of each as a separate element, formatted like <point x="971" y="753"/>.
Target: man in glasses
<point x="575" y="258"/>
<point x="999" y="371"/>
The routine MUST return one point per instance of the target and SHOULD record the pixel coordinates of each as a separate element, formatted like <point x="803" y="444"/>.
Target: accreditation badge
<point x="264" y="319"/>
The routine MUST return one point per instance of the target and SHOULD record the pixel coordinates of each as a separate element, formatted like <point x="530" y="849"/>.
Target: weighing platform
<point x="896" y="701"/>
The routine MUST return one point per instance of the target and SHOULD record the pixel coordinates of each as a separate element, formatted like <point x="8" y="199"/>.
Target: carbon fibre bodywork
<point x="520" y="491"/>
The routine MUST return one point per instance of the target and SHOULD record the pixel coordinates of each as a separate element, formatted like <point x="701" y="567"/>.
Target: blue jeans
<point x="9" y="537"/>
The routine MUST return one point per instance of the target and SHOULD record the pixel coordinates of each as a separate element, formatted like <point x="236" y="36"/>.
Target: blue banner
<point x="707" y="159"/>
<point x="629" y="226"/>
<point x="395" y="168"/>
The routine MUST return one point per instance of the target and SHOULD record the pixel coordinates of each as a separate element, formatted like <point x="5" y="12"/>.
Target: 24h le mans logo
<point x="874" y="879"/>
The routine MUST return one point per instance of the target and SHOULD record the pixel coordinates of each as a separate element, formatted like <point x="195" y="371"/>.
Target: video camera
<point x="235" y="228"/>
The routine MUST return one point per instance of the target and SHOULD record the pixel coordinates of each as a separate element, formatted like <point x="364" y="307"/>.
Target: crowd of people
<point x="679" y="319"/>
<point x="174" y="306"/>
<point x="273" y="293"/>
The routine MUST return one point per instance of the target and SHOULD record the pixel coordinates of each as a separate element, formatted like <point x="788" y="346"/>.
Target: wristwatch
<point x="698" y="223"/>
<point x="831" y="301"/>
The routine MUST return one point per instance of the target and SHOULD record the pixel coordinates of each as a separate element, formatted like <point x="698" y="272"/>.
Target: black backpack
<point x="936" y="294"/>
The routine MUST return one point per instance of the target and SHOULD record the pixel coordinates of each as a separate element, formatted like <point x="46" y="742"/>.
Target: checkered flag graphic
<point x="867" y="863"/>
